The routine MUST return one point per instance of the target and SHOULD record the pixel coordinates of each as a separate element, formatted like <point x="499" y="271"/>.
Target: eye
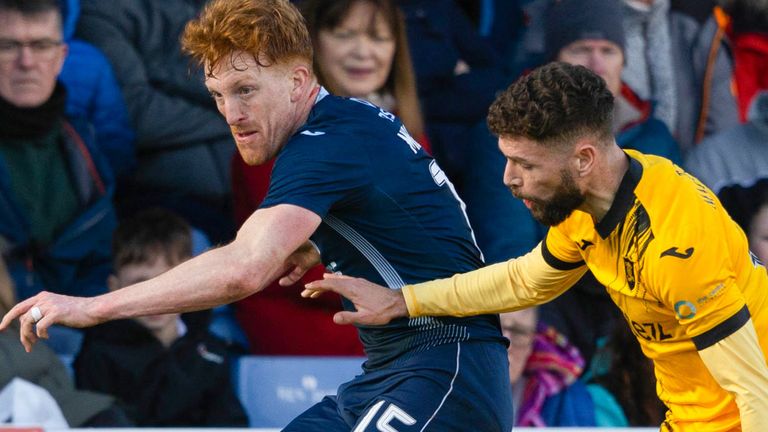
<point x="214" y="94"/>
<point x="381" y="38"/>
<point x="245" y="90"/>
<point x="343" y="34"/>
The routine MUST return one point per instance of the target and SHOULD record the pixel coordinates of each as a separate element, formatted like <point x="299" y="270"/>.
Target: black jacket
<point x="187" y="384"/>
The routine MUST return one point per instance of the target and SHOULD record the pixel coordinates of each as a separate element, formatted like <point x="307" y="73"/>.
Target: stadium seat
<point x="275" y="389"/>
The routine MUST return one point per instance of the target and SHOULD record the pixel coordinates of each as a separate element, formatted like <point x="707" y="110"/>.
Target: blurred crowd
<point x="109" y="137"/>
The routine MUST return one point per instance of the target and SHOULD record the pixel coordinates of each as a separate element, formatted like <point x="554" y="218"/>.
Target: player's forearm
<point x="737" y="363"/>
<point x="515" y="284"/>
<point x="216" y="277"/>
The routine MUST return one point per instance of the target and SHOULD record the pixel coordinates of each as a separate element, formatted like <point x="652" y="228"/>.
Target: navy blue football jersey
<point x="389" y="215"/>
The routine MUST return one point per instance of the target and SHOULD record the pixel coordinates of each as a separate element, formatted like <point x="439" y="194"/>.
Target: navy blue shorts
<point x="454" y="387"/>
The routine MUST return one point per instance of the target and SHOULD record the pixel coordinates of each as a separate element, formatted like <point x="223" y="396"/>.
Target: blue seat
<point x="275" y="389"/>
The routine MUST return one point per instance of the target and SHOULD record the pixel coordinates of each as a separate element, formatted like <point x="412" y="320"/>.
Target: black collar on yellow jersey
<point x="623" y="201"/>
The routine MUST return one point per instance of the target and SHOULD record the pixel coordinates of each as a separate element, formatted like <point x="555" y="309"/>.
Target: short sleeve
<point x="559" y="251"/>
<point x="318" y="173"/>
<point x="698" y="281"/>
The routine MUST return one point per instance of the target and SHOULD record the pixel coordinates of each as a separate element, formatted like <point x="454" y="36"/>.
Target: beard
<point x="565" y="200"/>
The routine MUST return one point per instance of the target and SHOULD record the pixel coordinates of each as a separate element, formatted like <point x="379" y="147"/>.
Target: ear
<point x="300" y="78"/>
<point x="585" y="154"/>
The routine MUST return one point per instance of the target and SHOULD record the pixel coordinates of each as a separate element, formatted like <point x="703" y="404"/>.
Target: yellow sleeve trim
<point x="516" y="284"/>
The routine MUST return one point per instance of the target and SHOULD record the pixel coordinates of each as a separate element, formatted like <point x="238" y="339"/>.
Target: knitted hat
<point x="567" y="21"/>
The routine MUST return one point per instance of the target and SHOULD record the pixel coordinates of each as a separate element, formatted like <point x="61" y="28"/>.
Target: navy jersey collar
<point x="623" y="201"/>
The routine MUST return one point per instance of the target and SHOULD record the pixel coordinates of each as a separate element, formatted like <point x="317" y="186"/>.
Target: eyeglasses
<point x="41" y="49"/>
<point x="518" y="336"/>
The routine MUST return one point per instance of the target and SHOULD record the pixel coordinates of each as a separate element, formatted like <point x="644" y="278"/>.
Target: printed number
<point x="382" y="112"/>
<point x="393" y="412"/>
<point x="405" y="136"/>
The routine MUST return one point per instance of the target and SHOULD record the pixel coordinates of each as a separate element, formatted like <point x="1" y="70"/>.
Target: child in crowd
<point x="165" y="373"/>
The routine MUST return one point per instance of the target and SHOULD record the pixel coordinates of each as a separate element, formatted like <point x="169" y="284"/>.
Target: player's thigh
<point x="471" y="395"/>
<point x="322" y="416"/>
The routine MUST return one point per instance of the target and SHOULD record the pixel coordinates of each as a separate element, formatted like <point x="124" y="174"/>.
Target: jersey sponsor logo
<point x="711" y="295"/>
<point x="673" y="252"/>
<point x="685" y="309"/>
<point x="584" y="244"/>
<point x="312" y="133"/>
<point x="650" y="331"/>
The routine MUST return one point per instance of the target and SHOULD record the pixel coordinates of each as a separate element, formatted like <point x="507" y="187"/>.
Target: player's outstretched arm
<point x="375" y="304"/>
<point x="255" y="258"/>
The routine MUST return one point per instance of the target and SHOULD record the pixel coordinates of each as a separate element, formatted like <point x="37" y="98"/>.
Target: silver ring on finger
<point x="36" y="314"/>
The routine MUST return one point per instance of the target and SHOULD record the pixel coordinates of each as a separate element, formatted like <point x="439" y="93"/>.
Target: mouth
<point x="244" y="135"/>
<point x="359" y="72"/>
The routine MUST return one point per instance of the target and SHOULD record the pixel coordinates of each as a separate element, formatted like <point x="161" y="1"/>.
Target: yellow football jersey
<point x="681" y="272"/>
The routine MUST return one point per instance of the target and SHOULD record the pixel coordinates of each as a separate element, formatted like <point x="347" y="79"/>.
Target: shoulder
<point x="675" y="200"/>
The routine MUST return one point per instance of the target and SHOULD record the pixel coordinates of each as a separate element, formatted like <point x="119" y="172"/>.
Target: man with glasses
<point x="56" y="216"/>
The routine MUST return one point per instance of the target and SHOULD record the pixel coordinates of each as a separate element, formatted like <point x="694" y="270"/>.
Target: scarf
<point x="32" y="123"/>
<point x="553" y="365"/>
<point x="649" y="66"/>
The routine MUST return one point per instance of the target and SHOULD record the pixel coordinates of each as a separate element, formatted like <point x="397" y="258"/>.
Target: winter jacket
<point x="187" y="384"/>
<point x="184" y="145"/>
<point x="698" y="100"/>
<point x="706" y="103"/>
<point x="738" y="156"/>
<point x="78" y="260"/>
<point x="93" y="93"/>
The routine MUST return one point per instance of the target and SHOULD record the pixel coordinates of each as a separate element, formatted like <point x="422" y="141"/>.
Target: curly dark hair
<point x="554" y="104"/>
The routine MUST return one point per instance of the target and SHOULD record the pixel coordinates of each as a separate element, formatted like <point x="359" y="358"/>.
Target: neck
<point x="607" y="179"/>
<point x="168" y="334"/>
<point x="304" y="107"/>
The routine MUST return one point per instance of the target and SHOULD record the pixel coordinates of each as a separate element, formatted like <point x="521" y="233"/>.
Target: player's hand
<point x="49" y="309"/>
<point x="301" y="260"/>
<point x="375" y="304"/>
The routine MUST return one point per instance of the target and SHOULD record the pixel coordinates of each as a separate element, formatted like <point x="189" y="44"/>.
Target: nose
<point x="25" y="57"/>
<point x="596" y="62"/>
<point x="232" y="112"/>
<point x="512" y="178"/>
<point x="362" y="46"/>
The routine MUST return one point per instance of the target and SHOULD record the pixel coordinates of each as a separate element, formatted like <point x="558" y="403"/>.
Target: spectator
<point x="58" y="216"/>
<point x="623" y="385"/>
<point x="361" y="51"/>
<point x="164" y="374"/>
<point x="745" y="22"/>
<point x="458" y="75"/>
<point x="43" y="368"/>
<point x="757" y="231"/>
<point x="734" y="161"/>
<point x="671" y="61"/>
<point x="543" y="370"/>
<point x="93" y="93"/>
<point x="176" y="122"/>
<point x="589" y="33"/>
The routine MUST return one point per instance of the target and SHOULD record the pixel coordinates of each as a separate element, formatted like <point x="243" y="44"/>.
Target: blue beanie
<point x="567" y="21"/>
